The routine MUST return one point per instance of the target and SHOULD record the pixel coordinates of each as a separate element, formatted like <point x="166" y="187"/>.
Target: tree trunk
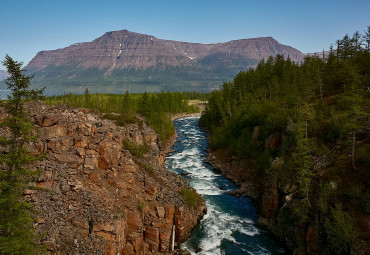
<point x="320" y="83"/>
<point x="306" y="128"/>
<point x="353" y="150"/>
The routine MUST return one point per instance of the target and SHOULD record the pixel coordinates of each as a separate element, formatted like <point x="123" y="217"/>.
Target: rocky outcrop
<point x="94" y="197"/>
<point x="238" y="171"/>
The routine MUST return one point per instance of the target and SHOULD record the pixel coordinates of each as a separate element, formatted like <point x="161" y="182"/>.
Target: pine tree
<point x="16" y="230"/>
<point x="366" y="38"/>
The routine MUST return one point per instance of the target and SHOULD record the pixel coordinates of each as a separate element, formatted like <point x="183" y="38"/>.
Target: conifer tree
<point x="16" y="222"/>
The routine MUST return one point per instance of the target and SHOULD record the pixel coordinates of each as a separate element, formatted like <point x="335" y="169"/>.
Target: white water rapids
<point x="229" y="226"/>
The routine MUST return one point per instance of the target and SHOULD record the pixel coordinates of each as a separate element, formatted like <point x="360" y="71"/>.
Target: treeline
<point x="308" y="125"/>
<point x="155" y="107"/>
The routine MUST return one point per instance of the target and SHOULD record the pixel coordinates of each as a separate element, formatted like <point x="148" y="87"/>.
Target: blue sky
<point x="28" y="27"/>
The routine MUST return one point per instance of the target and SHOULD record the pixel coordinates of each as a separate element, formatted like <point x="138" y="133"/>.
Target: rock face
<point x="95" y="197"/>
<point x="125" y="58"/>
<point x="125" y="49"/>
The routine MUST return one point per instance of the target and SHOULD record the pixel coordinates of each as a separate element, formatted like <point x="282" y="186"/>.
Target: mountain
<point x="3" y="75"/>
<point x="123" y="60"/>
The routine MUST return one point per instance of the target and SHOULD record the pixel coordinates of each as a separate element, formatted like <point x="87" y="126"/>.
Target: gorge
<point x="93" y="196"/>
<point x="230" y="225"/>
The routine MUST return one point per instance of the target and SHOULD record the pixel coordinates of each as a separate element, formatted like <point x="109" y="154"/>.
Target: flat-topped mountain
<point x="123" y="60"/>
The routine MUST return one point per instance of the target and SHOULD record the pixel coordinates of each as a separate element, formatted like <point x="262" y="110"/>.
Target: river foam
<point x="229" y="227"/>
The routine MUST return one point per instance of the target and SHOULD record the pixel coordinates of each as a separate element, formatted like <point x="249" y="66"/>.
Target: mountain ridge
<point x="124" y="60"/>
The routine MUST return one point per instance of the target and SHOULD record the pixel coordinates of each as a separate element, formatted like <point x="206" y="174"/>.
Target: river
<point x="229" y="227"/>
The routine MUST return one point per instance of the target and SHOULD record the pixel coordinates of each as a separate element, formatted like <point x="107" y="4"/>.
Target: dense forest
<point x="156" y="108"/>
<point x="307" y="125"/>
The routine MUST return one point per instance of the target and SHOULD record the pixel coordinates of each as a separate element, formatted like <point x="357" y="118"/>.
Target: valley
<point x="277" y="144"/>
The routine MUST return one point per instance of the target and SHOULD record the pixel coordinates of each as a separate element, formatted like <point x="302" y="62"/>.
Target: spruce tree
<point x="17" y="234"/>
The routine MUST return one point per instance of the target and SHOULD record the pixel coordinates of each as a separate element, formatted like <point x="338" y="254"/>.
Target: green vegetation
<point x="123" y="108"/>
<point x="340" y="230"/>
<point x="191" y="198"/>
<point x="135" y="149"/>
<point x="16" y="216"/>
<point x="308" y="125"/>
<point x="141" y="205"/>
<point x="74" y="79"/>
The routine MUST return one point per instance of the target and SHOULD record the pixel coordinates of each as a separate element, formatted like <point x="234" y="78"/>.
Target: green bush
<point x="135" y="149"/>
<point x="191" y="198"/>
<point x="141" y="205"/>
<point x="340" y="230"/>
<point x="300" y="212"/>
<point x="363" y="155"/>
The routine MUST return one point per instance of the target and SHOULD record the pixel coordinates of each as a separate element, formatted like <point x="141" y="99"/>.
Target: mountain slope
<point x="3" y="75"/>
<point x="122" y="60"/>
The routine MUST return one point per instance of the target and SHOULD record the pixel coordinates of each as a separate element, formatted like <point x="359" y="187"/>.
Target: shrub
<point x="191" y="198"/>
<point x="340" y="230"/>
<point x="141" y="205"/>
<point x="136" y="149"/>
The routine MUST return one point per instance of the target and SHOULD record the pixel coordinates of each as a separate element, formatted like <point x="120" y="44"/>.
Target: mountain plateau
<point x="123" y="60"/>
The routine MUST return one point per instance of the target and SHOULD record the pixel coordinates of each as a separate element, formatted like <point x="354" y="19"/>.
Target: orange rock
<point x="152" y="238"/>
<point x="128" y="249"/>
<point x="136" y="239"/>
<point x="133" y="222"/>
<point x="170" y="211"/>
<point x="94" y="178"/>
<point x="160" y="211"/>
<point x="103" y="164"/>
<point x="130" y="168"/>
<point x="164" y="239"/>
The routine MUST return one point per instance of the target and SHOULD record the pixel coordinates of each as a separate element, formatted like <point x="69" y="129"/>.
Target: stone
<point x="164" y="239"/>
<point x="133" y="222"/>
<point x="256" y="132"/>
<point x="273" y="142"/>
<point x="160" y="211"/>
<point x="29" y="192"/>
<point x="170" y="211"/>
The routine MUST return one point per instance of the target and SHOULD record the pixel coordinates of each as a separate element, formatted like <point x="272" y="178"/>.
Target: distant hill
<point x="3" y="75"/>
<point x="123" y="60"/>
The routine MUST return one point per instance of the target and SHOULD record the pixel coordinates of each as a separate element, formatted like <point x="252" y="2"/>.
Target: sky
<point x="28" y="27"/>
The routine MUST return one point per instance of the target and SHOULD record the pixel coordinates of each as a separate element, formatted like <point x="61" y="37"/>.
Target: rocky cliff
<point x="94" y="197"/>
<point x="121" y="60"/>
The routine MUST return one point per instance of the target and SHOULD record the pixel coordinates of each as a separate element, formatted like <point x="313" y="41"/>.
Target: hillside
<point x="93" y="196"/>
<point x="3" y="75"/>
<point x="297" y="140"/>
<point x="123" y="60"/>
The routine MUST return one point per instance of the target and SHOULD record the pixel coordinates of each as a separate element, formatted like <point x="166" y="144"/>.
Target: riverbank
<point x="182" y="115"/>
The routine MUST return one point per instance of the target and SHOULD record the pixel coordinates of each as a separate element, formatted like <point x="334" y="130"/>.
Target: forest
<point x="308" y="125"/>
<point x="156" y="108"/>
